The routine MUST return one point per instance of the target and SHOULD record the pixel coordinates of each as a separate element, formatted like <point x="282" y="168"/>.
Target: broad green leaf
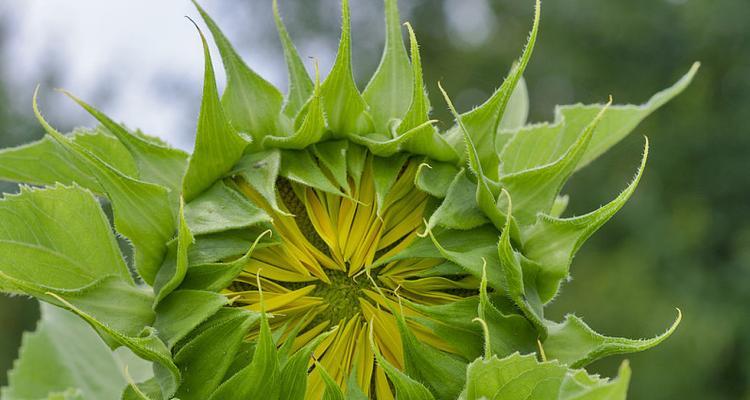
<point x="300" y="84"/>
<point x="65" y="353"/>
<point x="41" y="236"/>
<point x="259" y="380"/>
<point x="344" y="106"/>
<point x="388" y="94"/>
<point x="183" y="310"/>
<point x="482" y="123"/>
<point x="252" y="104"/>
<point x="145" y="345"/>
<point x="156" y="163"/>
<point x="260" y="170"/>
<point x="221" y="208"/>
<point x="205" y="359"/>
<point x="518" y="377"/>
<point x="174" y="268"/>
<point x="218" y="146"/>
<point x="459" y="209"/>
<point x="45" y="162"/>
<point x="552" y="242"/>
<point x="572" y="342"/>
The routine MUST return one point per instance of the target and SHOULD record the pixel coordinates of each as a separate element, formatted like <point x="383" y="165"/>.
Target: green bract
<point x="328" y="244"/>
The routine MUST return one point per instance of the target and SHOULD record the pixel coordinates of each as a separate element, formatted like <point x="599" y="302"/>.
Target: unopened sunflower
<point x="329" y="243"/>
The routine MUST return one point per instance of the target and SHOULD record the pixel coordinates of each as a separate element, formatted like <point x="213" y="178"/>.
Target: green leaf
<point x="332" y="391"/>
<point x="459" y="209"/>
<point x="300" y="84"/>
<point x="552" y="242"/>
<point x="518" y="377"/>
<point x="332" y="154"/>
<point x="172" y="273"/>
<point x="516" y="112"/>
<point x="388" y="93"/>
<point x="220" y="209"/>
<point x="45" y="162"/>
<point x="406" y="387"/>
<point x="385" y="171"/>
<point x="535" y="190"/>
<point x="142" y="211"/>
<point x="420" y="137"/>
<point x="156" y="163"/>
<point x="519" y="281"/>
<point x="435" y="178"/>
<point x="217" y="145"/>
<point x="205" y="359"/>
<point x="259" y="380"/>
<point x="309" y="127"/>
<point x="299" y="166"/>
<point x="482" y="123"/>
<point x="442" y="373"/>
<point x="252" y="104"/>
<point x="148" y="390"/>
<point x="41" y="236"/>
<point x="572" y="342"/>
<point x="65" y="353"/>
<point x="344" y="106"/>
<point x="294" y="372"/>
<point x="182" y="311"/>
<point x="260" y="170"/>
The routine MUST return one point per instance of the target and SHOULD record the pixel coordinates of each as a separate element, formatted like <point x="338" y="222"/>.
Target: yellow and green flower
<point x="331" y="243"/>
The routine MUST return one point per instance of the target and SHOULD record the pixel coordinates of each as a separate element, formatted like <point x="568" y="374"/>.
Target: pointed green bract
<point x="300" y="85"/>
<point x="169" y="279"/>
<point x="218" y="146"/>
<point x="342" y="102"/>
<point x="388" y="93"/>
<point x="251" y="104"/>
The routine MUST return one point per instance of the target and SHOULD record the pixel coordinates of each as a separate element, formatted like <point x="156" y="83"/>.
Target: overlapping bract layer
<point x="488" y="190"/>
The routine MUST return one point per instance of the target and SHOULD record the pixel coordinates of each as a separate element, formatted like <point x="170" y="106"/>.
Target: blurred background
<point x="682" y="241"/>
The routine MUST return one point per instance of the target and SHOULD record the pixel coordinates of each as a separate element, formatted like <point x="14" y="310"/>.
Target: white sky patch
<point x="472" y="21"/>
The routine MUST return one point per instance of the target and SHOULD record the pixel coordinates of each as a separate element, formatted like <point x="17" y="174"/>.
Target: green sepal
<point x="260" y="170"/>
<point x="294" y="370"/>
<point x="332" y="154"/>
<point x="173" y="270"/>
<point x="300" y="84"/>
<point x="252" y="104"/>
<point x="217" y="276"/>
<point x="260" y="379"/>
<point x="459" y="209"/>
<point x="384" y="173"/>
<point x="156" y="163"/>
<point x="220" y="209"/>
<point x="387" y="94"/>
<point x="301" y="167"/>
<point x="435" y="178"/>
<point x="552" y="242"/>
<point x="182" y="311"/>
<point x="343" y="104"/>
<point x="535" y="190"/>
<point x="519" y="377"/>
<point x="406" y="387"/>
<point x="204" y="359"/>
<point x="572" y="342"/>
<point x="515" y="115"/>
<point x="147" y="390"/>
<point x="440" y="372"/>
<point x="142" y="211"/>
<point x="218" y="146"/>
<point x="332" y="389"/>
<point x="481" y="123"/>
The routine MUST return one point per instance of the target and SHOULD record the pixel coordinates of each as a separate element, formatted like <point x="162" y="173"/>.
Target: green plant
<point x="331" y="243"/>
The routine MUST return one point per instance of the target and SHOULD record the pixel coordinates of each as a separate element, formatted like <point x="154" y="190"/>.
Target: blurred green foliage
<point x="684" y="239"/>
